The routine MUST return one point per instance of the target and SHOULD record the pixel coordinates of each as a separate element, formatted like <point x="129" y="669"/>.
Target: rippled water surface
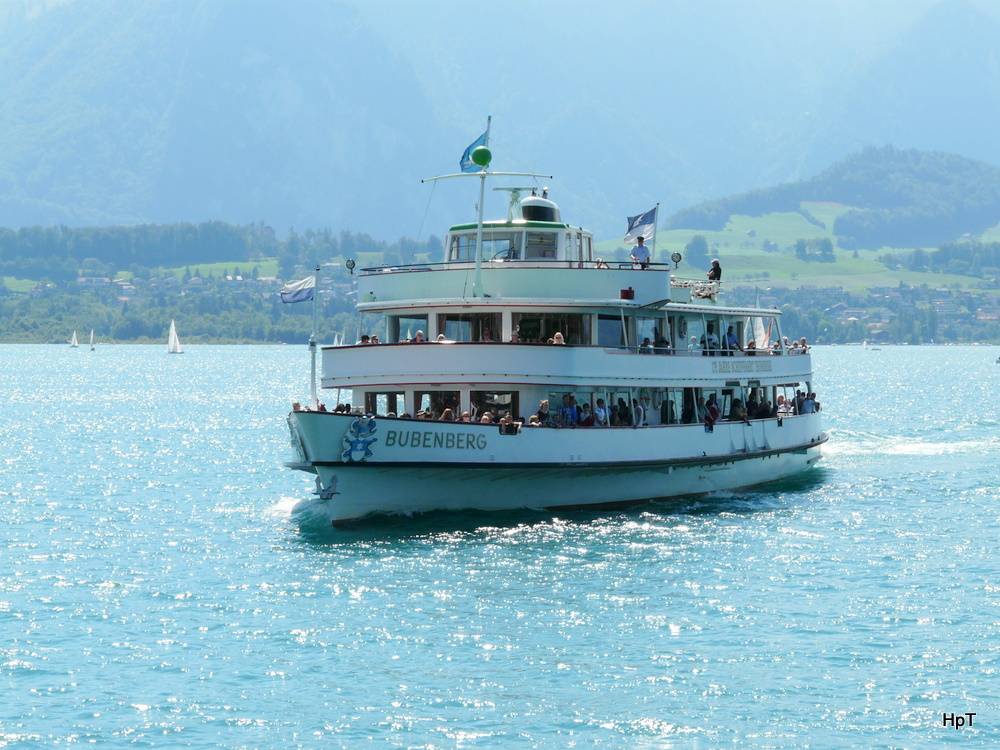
<point x="166" y="583"/>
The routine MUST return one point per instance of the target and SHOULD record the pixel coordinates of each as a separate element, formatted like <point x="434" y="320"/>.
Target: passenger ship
<point x="534" y="275"/>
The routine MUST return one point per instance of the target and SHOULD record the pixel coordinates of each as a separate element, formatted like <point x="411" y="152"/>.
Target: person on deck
<point x="715" y="272"/>
<point x="640" y="254"/>
<point x="730" y="342"/>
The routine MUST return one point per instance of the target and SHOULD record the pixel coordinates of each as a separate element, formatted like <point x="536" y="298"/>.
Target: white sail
<point x="91" y="339"/>
<point x="173" y="341"/>
<point x="74" y="342"/>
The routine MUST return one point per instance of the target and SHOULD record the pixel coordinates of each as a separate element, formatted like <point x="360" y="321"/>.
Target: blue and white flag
<point x="466" y="163"/>
<point x="298" y="291"/>
<point x="643" y="225"/>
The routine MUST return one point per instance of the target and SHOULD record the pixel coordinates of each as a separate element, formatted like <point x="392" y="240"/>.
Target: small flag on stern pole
<point x="466" y="163"/>
<point x="643" y="225"/>
<point x="298" y="291"/>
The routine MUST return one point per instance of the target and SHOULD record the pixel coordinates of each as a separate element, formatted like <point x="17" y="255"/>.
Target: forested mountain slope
<point x="899" y="198"/>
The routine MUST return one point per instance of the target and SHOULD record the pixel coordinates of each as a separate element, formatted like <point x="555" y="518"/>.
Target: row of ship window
<point x="659" y="406"/>
<point x="663" y="331"/>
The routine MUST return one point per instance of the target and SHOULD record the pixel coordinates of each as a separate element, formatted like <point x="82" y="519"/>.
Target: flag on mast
<point x="643" y="225"/>
<point x="466" y="162"/>
<point x="298" y="291"/>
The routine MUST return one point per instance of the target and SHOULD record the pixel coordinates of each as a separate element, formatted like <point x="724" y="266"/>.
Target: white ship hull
<point x="419" y="466"/>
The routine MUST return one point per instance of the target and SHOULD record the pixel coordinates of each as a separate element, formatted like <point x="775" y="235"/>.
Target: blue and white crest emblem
<point x="358" y="440"/>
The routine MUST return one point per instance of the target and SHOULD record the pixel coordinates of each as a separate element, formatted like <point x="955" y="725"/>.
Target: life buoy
<point x="644" y="396"/>
<point x="657" y="398"/>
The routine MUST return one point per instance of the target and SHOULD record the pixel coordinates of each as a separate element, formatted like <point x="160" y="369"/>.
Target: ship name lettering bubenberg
<point x="450" y="441"/>
<point x="744" y="366"/>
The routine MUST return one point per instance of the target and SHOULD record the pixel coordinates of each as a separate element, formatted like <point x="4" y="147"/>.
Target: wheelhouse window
<point x="538" y="328"/>
<point x="462" y="247"/>
<point x="496" y="246"/>
<point x="540" y="245"/>
<point x="405" y="327"/>
<point x="470" y="326"/>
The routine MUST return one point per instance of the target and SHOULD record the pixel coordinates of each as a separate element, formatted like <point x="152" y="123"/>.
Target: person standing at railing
<point x="640" y="255"/>
<point x="715" y="272"/>
<point x="730" y="342"/>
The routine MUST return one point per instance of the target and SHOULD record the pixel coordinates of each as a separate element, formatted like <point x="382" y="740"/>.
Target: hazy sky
<point x="314" y="113"/>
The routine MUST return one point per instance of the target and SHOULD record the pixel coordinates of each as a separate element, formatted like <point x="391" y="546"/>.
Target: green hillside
<point x="892" y="198"/>
<point x="762" y="248"/>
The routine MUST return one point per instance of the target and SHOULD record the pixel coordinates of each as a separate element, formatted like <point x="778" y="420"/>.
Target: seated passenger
<point x="709" y="342"/>
<point x="646" y="347"/>
<point x="638" y="414"/>
<point x="730" y="342"/>
<point x="624" y="412"/>
<point x="688" y="414"/>
<point x="736" y="412"/>
<point x="808" y="404"/>
<point x="751" y="349"/>
<point x="567" y="412"/>
<point x="712" y="408"/>
<point x="557" y="338"/>
<point x="600" y="414"/>
<point x="586" y="417"/>
<point x="447" y="416"/>
<point x="781" y="407"/>
<point x="514" y="338"/>
<point x="487" y="337"/>
<point x="419" y="338"/>
<point x="543" y="415"/>
<point x="507" y="425"/>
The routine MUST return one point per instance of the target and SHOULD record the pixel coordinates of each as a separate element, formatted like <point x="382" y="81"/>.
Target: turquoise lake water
<point x="167" y="583"/>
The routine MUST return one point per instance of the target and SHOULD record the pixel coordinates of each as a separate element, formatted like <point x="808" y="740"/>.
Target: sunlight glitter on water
<point x="170" y="584"/>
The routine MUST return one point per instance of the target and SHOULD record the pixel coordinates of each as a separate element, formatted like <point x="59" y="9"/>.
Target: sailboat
<point x="173" y="342"/>
<point x="73" y="342"/>
<point x="91" y="339"/>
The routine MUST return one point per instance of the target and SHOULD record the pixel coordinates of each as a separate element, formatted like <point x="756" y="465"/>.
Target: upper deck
<point x="558" y="281"/>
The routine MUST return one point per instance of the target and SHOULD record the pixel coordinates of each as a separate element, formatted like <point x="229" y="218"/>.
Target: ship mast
<point x="482" y="156"/>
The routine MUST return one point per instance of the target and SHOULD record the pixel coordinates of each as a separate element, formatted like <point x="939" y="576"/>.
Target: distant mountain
<point x="900" y="198"/>
<point x="327" y="113"/>
<point x="935" y="88"/>
<point x="242" y="110"/>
